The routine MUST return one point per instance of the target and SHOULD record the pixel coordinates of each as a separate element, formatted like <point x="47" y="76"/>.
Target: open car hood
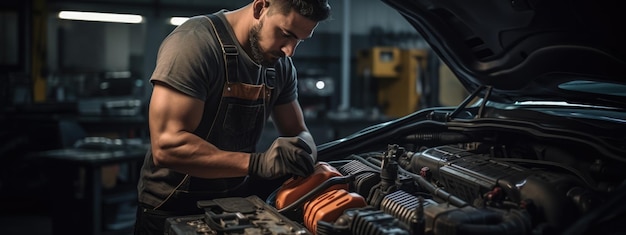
<point x="528" y="50"/>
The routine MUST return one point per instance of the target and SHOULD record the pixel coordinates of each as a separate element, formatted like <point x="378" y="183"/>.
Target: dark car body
<point x="539" y="147"/>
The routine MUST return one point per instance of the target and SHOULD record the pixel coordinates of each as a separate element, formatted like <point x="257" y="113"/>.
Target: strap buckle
<point x="230" y="50"/>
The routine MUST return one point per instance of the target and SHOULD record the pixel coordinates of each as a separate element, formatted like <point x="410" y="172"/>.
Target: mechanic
<point x="217" y="80"/>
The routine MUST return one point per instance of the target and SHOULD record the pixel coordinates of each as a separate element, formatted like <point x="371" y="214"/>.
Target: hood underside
<point x="557" y="50"/>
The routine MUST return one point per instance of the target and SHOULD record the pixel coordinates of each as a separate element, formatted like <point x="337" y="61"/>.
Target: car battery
<point x="235" y="215"/>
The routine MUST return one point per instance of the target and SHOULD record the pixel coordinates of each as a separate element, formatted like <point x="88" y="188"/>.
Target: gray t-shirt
<point x="196" y="68"/>
<point x="190" y="60"/>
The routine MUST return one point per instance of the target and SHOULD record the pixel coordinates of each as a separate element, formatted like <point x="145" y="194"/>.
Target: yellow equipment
<point x="397" y="74"/>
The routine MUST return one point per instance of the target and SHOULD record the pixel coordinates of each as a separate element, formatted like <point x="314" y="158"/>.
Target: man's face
<point x="277" y="35"/>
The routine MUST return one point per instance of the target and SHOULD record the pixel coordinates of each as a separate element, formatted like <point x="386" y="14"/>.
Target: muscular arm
<point x="173" y="117"/>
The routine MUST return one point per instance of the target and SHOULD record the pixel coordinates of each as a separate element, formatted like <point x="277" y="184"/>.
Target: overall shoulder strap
<point x="229" y="50"/>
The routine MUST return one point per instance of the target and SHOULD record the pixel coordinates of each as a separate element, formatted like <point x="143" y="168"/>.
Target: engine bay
<point x="422" y="175"/>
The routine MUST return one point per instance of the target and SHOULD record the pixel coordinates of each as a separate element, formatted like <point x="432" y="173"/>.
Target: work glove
<point x="286" y="156"/>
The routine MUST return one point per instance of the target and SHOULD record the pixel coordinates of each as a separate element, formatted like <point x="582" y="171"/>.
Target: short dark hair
<point x="316" y="10"/>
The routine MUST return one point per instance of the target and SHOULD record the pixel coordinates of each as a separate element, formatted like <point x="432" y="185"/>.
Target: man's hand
<point x="286" y="156"/>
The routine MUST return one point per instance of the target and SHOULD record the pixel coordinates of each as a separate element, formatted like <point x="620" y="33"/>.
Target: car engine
<point x="482" y="170"/>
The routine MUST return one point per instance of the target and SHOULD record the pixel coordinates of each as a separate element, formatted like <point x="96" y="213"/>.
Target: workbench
<point x="81" y="202"/>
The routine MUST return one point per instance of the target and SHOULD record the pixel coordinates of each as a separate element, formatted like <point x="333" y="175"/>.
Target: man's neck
<point x="241" y="21"/>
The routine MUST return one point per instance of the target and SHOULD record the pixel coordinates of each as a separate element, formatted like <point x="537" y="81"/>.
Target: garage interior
<point x="70" y="85"/>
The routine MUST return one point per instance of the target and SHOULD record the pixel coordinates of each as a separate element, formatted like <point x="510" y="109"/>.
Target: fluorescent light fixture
<point x="102" y="17"/>
<point x="178" y="20"/>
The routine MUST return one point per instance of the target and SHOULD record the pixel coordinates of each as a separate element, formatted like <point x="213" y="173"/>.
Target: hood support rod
<point x="469" y="99"/>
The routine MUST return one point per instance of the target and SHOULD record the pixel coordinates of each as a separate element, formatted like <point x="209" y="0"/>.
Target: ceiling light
<point x="320" y="85"/>
<point x="178" y="20"/>
<point x="102" y="17"/>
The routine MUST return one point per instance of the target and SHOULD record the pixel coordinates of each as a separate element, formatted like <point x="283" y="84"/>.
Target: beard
<point x="255" y="47"/>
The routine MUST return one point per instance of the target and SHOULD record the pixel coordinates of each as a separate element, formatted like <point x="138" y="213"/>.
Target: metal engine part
<point x="363" y="221"/>
<point x="249" y="215"/>
<point x="483" y="180"/>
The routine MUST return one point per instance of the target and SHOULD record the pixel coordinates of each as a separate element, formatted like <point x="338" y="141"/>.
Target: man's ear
<point x="259" y="6"/>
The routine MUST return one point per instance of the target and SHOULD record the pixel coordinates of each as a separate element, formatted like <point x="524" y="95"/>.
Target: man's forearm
<point x="190" y="154"/>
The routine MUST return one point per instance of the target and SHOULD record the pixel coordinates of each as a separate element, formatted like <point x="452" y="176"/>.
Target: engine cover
<point x="480" y="179"/>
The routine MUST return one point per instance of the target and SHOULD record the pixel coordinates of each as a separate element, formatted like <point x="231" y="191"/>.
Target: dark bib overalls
<point x="241" y="115"/>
